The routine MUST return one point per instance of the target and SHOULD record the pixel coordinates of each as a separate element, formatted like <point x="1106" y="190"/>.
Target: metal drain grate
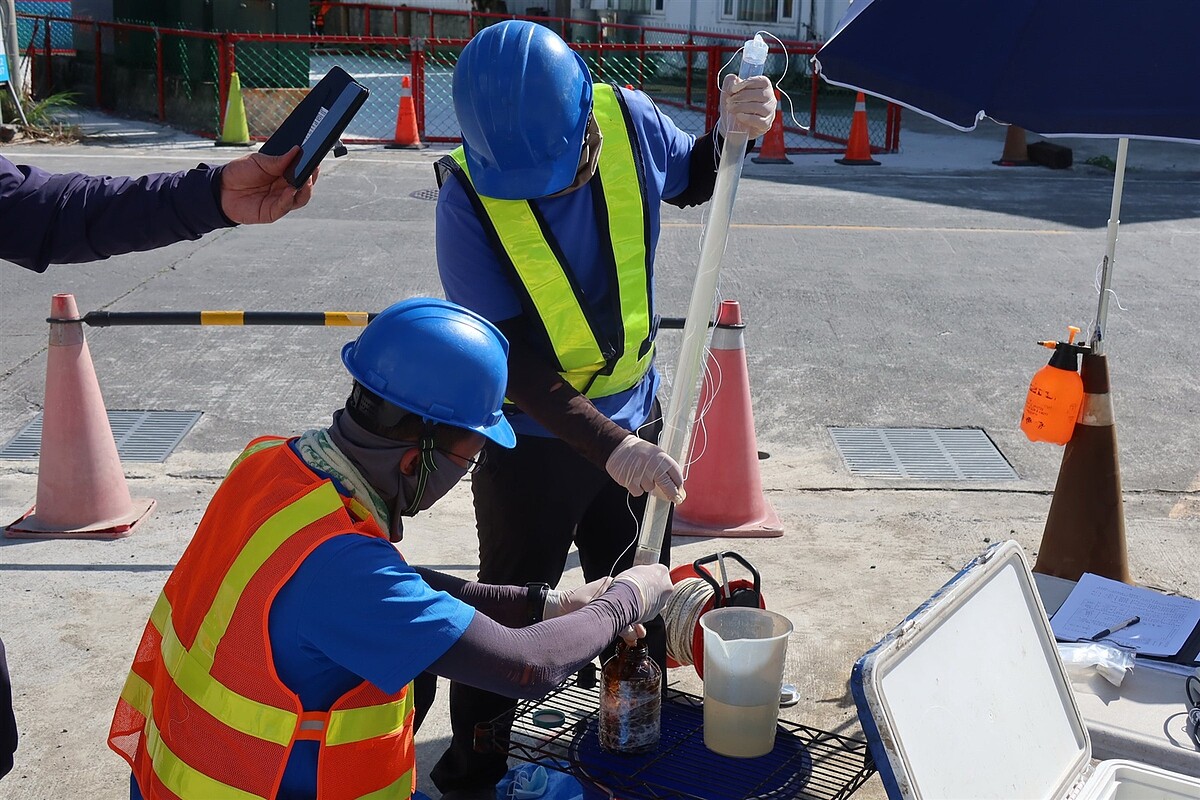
<point x="932" y="454"/>
<point x="140" y="435"/>
<point x="424" y="194"/>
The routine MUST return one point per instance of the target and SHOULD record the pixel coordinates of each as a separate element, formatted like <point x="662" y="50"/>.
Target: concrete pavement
<point x="908" y="294"/>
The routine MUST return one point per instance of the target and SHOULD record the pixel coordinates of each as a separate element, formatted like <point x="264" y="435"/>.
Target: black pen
<point x="1118" y="627"/>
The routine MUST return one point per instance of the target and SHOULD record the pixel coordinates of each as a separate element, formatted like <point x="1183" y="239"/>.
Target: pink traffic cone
<point x="81" y="491"/>
<point x="724" y="487"/>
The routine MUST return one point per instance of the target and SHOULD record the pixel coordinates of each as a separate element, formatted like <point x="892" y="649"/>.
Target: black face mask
<point x="436" y="475"/>
<point x="378" y="459"/>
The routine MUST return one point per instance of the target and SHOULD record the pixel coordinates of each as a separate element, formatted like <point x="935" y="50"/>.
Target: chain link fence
<point x="34" y="31"/>
<point x="182" y="77"/>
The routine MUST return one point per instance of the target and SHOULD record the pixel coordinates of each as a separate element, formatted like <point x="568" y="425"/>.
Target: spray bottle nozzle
<point x="1066" y="353"/>
<point x="1069" y="345"/>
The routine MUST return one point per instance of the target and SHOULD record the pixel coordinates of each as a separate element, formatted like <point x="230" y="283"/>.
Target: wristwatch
<point x="535" y="600"/>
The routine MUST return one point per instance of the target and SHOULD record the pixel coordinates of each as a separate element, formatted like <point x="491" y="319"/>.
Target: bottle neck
<point x="1065" y="358"/>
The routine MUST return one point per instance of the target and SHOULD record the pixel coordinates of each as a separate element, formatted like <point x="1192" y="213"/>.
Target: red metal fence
<point x="182" y="78"/>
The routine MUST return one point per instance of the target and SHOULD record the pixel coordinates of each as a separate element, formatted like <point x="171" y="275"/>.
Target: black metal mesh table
<point x="806" y="764"/>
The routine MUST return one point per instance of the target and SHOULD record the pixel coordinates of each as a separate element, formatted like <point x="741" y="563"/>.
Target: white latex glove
<point x="653" y="585"/>
<point x="559" y="603"/>
<point x="643" y="467"/>
<point x="747" y="105"/>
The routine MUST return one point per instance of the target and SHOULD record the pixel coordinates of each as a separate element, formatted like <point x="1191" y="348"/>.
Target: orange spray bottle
<point x="1055" y="394"/>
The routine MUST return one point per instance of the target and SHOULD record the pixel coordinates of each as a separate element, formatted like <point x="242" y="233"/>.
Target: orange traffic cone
<point x="406" y="120"/>
<point x="1085" y="529"/>
<point x="858" y="147"/>
<point x="1016" y="151"/>
<point x="81" y="491"/>
<point x="724" y="488"/>
<point x="774" y="150"/>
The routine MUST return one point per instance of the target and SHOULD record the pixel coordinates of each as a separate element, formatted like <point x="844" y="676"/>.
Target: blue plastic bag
<point x="539" y="781"/>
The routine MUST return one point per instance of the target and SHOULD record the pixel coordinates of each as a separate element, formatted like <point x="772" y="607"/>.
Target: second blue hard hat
<point x="522" y="98"/>
<point x="438" y="360"/>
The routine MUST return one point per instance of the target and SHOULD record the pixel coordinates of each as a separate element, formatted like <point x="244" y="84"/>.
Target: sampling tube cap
<point x="755" y="50"/>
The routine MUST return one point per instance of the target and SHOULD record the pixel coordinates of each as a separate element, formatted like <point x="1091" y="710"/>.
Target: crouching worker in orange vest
<point x="280" y="658"/>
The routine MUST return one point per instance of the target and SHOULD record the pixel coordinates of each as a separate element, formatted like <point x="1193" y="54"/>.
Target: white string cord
<point x="786" y="62"/>
<point x="637" y="523"/>
<point x="1097" y="281"/>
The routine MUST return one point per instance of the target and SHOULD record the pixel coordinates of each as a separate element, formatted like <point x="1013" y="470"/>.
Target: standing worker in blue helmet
<point x="291" y="632"/>
<point x="547" y="224"/>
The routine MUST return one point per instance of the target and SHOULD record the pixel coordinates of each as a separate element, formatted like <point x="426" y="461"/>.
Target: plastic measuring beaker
<point x="744" y="650"/>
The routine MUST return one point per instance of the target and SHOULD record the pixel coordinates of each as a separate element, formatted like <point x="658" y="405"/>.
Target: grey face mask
<point x="436" y="475"/>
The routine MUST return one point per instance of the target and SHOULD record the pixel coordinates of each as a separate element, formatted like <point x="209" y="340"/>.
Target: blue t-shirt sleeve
<point x="471" y="275"/>
<point x="371" y="613"/>
<point x="667" y="149"/>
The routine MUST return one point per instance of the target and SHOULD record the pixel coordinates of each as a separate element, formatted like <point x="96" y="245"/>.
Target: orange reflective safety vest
<point x="203" y="713"/>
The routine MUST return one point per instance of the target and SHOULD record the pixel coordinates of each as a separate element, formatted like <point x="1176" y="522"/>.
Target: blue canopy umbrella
<point x="1107" y="68"/>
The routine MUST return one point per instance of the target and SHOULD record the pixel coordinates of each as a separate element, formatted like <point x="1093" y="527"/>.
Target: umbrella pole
<point x="1114" y="220"/>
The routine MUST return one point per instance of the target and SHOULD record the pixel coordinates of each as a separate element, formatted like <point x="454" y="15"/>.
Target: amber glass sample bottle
<point x="630" y="701"/>
<point x="1055" y="394"/>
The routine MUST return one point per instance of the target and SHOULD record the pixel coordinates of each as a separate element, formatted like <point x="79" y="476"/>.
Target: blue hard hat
<point x="522" y="98"/>
<point x="438" y="360"/>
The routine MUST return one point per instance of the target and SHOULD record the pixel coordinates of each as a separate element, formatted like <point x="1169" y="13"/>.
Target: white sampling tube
<point x="681" y="407"/>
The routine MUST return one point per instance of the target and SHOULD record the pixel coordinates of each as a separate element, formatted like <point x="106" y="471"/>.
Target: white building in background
<point x="787" y="19"/>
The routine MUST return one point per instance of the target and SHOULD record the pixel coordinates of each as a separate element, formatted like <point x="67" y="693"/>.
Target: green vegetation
<point x="43" y="117"/>
<point x="1104" y="162"/>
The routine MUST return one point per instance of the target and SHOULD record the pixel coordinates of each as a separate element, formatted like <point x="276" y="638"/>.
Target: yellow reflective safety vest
<point x="599" y="351"/>
<point x="203" y="714"/>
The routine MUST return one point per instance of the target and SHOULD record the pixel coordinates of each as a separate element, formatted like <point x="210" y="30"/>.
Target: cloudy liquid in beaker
<point x="739" y="731"/>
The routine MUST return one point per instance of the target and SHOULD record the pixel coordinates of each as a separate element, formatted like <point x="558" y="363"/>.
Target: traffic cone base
<point x="858" y="146"/>
<point x="29" y="526"/>
<point x="724" y="488"/>
<point x="1085" y="528"/>
<point x="768" y="526"/>
<point x="406" y="136"/>
<point x="774" y="149"/>
<point x="236" y="132"/>
<point x="81" y="489"/>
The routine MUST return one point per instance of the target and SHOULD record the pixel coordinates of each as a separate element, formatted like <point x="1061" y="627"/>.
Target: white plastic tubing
<point x="681" y="407"/>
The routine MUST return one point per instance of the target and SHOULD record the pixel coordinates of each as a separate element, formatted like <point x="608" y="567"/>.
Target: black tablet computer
<point x="317" y="123"/>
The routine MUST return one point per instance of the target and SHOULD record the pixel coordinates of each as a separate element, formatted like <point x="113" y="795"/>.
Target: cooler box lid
<point x="967" y="697"/>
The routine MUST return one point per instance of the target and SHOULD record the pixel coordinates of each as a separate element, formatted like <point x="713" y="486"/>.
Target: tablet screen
<point x="326" y="127"/>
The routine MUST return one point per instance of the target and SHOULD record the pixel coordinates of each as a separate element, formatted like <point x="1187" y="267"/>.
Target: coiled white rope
<point x="681" y="616"/>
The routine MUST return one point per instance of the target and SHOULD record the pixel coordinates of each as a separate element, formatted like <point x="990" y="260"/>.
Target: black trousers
<point x="531" y="503"/>
<point x="8" y="723"/>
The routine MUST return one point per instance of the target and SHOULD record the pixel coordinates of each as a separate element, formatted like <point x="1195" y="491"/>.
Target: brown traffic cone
<point x="724" y="488"/>
<point x="81" y="491"/>
<point x="858" y="147"/>
<point x="1085" y="529"/>
<point x="406" y="136"/>
<point x="774" y="150"/>
<point x="1016" y="152"/>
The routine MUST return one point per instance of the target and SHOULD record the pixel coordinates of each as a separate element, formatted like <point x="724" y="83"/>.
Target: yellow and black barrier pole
<point x="328" y="319"/>
<point x="332" y="319"/>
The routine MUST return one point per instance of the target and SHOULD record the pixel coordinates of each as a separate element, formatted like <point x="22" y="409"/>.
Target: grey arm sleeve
<point x="529" y="662"/>
<point x="503" y="604"/>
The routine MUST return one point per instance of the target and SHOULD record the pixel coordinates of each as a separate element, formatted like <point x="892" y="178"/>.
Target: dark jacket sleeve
<point x="65" y="219"/>
<point x="702" y="170"/>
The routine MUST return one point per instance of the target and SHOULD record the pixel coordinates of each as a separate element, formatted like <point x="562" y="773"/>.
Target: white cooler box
<point x="967" y="699"/>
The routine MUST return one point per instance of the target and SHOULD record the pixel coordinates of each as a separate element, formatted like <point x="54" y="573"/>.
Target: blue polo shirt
<point x="353" y="610"/>
<point x="473" y="277"/>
